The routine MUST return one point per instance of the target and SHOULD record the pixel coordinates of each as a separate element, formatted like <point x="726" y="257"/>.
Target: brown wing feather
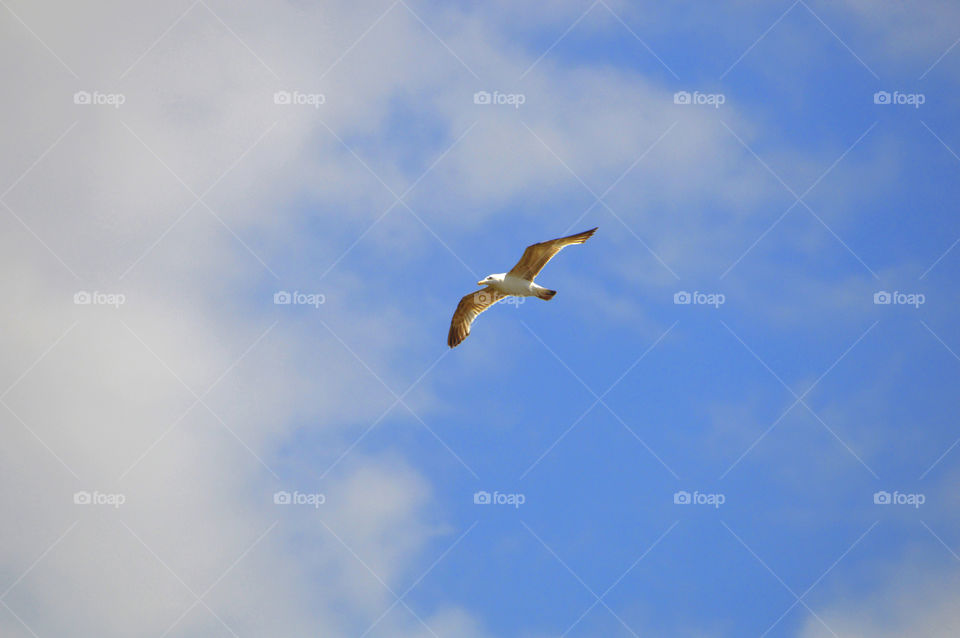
<point x="536" y="256"/>
<point x="468" y="309"/>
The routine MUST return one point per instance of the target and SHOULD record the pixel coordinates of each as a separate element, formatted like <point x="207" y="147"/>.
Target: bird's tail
<point x="546" y="294"/>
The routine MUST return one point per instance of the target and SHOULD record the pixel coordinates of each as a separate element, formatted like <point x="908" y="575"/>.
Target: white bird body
<point x="510" y="285"/>
<point x="517" y="283"/>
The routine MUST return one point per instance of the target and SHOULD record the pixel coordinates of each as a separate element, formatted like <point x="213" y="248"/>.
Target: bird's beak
<point x="480" y="283"/>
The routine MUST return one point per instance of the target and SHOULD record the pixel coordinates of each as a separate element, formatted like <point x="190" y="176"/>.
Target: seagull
<point x="518" y="283"/>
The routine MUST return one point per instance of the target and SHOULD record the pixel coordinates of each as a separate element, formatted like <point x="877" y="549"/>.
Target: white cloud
<point x="916" y="31"/>
<point x="100" y="399"/>
<point x="913" y="600"/>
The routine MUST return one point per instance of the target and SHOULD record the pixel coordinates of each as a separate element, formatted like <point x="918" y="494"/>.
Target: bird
<point x="518" y="283"/>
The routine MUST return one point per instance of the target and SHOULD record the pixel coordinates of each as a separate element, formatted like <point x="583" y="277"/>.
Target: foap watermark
<point x="297" y="298"/>
<point x="897" y="298"/>
<point x="313" y="499"/>
<point x="508" y="99"/>
<point x="697" y="298"/>
<point x="297" y="98"/>
<point x="96" y="98"/>
<point x="707" y="99"/>
<point x="97" y="298"/>
<point x="114" y="500"/>
<point x="884" y="497"/>
<point x="684" y="497"/>
<point x="484" y="297"/>
<point x="907" y="99"/>
<point x="497" y="498"/>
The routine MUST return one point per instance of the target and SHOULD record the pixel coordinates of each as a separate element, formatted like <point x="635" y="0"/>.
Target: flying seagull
<point x="518" y="282"/>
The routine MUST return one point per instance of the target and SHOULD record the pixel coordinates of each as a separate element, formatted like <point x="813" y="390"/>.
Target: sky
<point x="235" y="233"/>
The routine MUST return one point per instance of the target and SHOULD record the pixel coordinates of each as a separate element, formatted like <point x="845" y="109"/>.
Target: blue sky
<point x="793" y="401"/>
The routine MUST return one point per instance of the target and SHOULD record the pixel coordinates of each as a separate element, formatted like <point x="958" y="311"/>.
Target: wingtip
<point x="579" y="238"/>
<point x="454" y="340"/>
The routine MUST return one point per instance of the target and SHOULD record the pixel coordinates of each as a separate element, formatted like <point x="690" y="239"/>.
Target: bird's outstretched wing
<point x="536" y="256"/>
<point x="469" y="309"/>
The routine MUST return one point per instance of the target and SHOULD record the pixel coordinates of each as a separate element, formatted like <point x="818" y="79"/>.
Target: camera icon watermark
<point x="297" y="298"/>
<point x="313" y="499"/>
<point x="96" y="98"/>
<point x="484" y="497"/>
<point x="516" y="100"/>
<point x="95" y="497"/>
<point x="884" y="497"/>
<point x="97" y="298"/>
<point x="897" y="298"/>
<point x="683" y="497"/>
<point x="484" y="297"/>
<point x="697" y="298"/>
<point x="909" y="99"/>
<point x="297" y="98"/>
<point x="708" y="99"/>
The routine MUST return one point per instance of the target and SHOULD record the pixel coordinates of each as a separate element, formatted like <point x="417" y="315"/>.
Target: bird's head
<point x="488" y="280"/>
